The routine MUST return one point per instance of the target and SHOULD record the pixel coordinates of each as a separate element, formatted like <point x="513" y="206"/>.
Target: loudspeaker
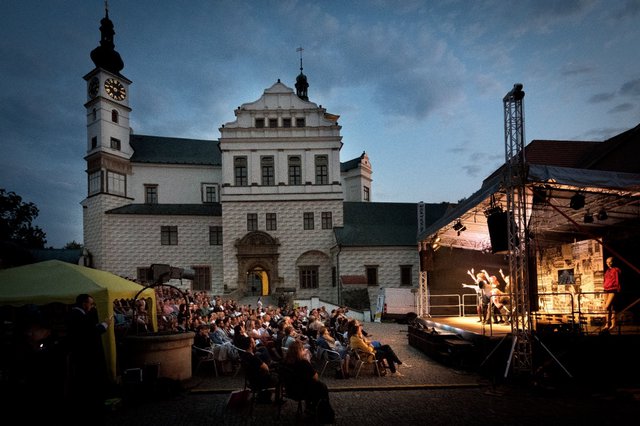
<point x="498" y="232"/>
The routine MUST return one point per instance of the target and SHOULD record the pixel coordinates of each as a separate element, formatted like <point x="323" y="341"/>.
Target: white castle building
<point x="268" y="205"/>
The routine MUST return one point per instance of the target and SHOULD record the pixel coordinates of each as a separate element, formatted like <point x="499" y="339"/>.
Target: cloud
<point x="576" y="69"/>
<point x="601" y="97"/>
<point x="631" y="88"/>
<point x="621" y="108"/>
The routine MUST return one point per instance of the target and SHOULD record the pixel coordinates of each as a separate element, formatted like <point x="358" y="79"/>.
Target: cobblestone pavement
<point x="427" y="393"/>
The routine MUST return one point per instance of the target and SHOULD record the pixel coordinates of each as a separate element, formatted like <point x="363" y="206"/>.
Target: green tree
<point x="72" y="245"/>
<point x="16" y="217"/>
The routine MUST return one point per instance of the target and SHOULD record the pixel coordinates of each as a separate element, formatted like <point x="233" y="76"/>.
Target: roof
<point x="351" y="164"/>
<point x="164" y="150"/>
<point x="210" y="209"/>
<point x="383" y="224"/>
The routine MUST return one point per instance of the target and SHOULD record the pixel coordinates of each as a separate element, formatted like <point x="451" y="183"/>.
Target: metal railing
<point x="445" y="309"/>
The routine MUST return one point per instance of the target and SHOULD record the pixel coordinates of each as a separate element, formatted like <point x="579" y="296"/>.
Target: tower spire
<point x="302" y="85"/>
<point x="105" y="55"/>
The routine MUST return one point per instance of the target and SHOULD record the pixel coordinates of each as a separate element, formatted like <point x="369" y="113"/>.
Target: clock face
<point x="115" y="89"/>
<point x="94" y="85"/>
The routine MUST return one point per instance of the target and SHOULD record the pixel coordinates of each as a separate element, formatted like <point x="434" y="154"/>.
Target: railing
<point x="454" y="308"/>
<point x="581" y="312"/>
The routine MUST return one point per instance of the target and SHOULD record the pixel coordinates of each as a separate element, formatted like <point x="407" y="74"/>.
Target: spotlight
<point x="602" y="215"/>
<point x="464" y="228"/>
<point x="458" y="226"/>
<point x="577" y="201"/>
<point x="588" y="217"/>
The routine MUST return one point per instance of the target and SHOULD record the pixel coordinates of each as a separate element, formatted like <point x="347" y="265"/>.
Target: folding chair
<point x="364" y="359"/>
<point x="205" y="356"/>
<point x="327" y="357"/>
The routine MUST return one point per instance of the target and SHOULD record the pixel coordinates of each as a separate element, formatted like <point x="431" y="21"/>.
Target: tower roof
<point x="105" y="55"/>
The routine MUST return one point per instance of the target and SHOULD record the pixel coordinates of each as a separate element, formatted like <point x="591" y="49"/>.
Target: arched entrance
<point x="258" y="282"/>
<point x="257" y="254"/>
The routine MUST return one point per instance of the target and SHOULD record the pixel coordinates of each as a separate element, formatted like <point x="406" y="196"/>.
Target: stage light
<point x="577" y="201"/>
<point x="588" y="217"/>
<point x="602" y="215"/>
<point x="458" y="226"/>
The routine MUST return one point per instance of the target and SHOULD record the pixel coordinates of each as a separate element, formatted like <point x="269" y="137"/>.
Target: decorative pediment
<point x="257" y="243"/>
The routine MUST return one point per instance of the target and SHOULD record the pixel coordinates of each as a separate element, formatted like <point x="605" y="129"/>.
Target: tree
<point x="73" y="245"/>
<point x="16" y="217"/>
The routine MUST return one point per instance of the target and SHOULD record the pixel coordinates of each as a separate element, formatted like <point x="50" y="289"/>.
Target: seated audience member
<point x="381" y="352"/>
<point x="301" y="380"/>
<point x="259" y="375"/>
<point x="325" y="341"/>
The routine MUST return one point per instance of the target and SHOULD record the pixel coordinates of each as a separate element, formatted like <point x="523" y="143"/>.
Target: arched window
<point x="114" y="115"/>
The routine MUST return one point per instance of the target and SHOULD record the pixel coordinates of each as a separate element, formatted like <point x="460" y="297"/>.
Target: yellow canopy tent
<point x="56" y="281"/>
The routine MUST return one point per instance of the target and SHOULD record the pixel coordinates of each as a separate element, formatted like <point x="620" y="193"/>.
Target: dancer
<point x="611" y="288"/>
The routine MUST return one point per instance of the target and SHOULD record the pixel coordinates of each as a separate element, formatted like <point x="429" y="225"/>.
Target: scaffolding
<point x="521" y="355"/>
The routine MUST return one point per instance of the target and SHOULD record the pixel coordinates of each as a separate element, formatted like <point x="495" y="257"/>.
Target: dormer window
<point x="114" y="115"/>
<point x="259" y="123"/>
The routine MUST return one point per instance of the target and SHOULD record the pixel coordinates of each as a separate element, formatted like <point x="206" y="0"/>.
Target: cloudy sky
<point x="418" y="84"/>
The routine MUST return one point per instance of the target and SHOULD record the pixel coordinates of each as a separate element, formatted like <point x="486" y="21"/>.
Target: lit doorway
<point x="258" y="282"/>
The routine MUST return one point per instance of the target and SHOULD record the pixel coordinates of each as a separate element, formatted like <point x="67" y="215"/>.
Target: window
<point x="144" y="274"/>
<point x="115" y="144"/>
<point x="327" y="222"/>
<point x="405" y="274"/>
<point x="300" y="122"/>
<point x="286" y="122"/>
<point x="308" y="277"/>
<point x="240" y="170"/>
<point x="116" y="183"/>
<point x="114" y="115"/>
<point x="259" y="123"/>
<point x="271" y="222"/>
<point x="94" y="115"/>
<point x="372" y="275"/>
<point x="95" y="182"/>
<point x="169" y="235"/>
<point x="94" y="142"/>
<point x="295" y="170"/>
<point x="201" y="278"/>
<point x="307" y="219"/>
<point x="366" y="193"/>
<point x="273" y="122"/>
<point x="215" y="235"/>
<point x="334" y="276"/>
<point x="322" y="170"/>
<point x="266" y="164"/>
<point x="151" y="194"/>
<point x="209" y="193"/>
<point x="252" y="221"/>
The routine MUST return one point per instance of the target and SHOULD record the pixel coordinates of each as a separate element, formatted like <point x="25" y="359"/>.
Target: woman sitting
<point x="380" y="352"/>
<point x="301" y="381"/>
<point x="325" y="341"/>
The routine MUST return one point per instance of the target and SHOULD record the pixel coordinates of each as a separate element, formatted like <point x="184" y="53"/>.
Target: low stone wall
<point x="170" y="352"/>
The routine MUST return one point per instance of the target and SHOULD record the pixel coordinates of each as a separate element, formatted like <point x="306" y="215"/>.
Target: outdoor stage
<point x="558" y="344"/>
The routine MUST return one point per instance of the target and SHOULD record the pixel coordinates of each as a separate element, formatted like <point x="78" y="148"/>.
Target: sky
<point x="418" y="84"/>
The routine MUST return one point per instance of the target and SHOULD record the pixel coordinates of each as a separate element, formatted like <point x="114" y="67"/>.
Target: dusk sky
<point x="418" y="84"/>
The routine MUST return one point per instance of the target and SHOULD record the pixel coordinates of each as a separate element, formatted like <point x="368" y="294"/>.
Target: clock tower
<point x="108" y="149"/>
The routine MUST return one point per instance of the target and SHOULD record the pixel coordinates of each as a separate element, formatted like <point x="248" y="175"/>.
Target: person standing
<point x="87" y="363"/>
<point x="612" y="287"/>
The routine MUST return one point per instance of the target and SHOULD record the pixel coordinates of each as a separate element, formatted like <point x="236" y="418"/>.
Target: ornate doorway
<point x="257" y="254"/>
